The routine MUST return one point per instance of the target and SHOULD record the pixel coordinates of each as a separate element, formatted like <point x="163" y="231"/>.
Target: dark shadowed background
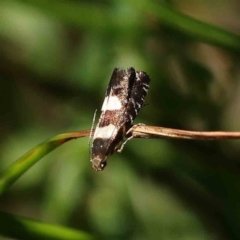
<point x="56" y="59"/>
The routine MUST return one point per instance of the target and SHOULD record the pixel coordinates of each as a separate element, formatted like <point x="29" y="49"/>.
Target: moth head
<point x="99" y="154"/>
<point x="98" y="164"/>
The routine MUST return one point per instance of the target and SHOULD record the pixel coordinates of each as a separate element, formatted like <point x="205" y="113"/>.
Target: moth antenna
<point x="91" y="135"/>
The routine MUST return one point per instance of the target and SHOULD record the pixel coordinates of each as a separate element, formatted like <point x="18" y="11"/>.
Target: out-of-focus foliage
<point x="56" y="58"/>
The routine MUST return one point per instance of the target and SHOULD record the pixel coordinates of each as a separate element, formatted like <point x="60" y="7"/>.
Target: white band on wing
<point x="111" y="103"/>
<point x="105" y="132"/>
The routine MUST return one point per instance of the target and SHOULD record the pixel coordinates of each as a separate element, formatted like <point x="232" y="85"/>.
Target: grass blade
<point x="20" y="166"/>
<point x="24" y="228"/>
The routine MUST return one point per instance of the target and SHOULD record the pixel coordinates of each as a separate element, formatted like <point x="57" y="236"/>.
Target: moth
<point x="124" y="98"/>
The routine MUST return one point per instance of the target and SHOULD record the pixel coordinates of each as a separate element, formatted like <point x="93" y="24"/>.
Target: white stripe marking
<point x="111" y="103"/>
<point x="138" y="105"/>
<point x="105" y="132"/>
<point x="145" y="89"/>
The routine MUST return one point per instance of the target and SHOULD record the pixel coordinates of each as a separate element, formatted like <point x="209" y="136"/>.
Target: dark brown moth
<point x="124" y="98"/>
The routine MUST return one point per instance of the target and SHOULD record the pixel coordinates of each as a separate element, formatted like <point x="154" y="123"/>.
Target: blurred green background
<point x="56" y="59"/>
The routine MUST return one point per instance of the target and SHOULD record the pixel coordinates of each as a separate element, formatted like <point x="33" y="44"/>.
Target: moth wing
<point x="112" y="119"/>
<point x="112" y="93"/>
<point x="137" y="95"/>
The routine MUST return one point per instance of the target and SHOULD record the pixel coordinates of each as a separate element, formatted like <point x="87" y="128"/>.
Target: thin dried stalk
<point x="143" y="131"/>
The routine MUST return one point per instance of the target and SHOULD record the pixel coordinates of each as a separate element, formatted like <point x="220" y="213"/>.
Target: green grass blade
<point x="193" y="27"/>
<point x="20" y="166"/>
<point x="24" y="228"/>
<point x="101" y="18"/>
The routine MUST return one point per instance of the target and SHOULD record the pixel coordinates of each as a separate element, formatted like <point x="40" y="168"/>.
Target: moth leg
<point x="129" y="138"/>
<point x="122" y="146"/>
<point x="134" y="126"/>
